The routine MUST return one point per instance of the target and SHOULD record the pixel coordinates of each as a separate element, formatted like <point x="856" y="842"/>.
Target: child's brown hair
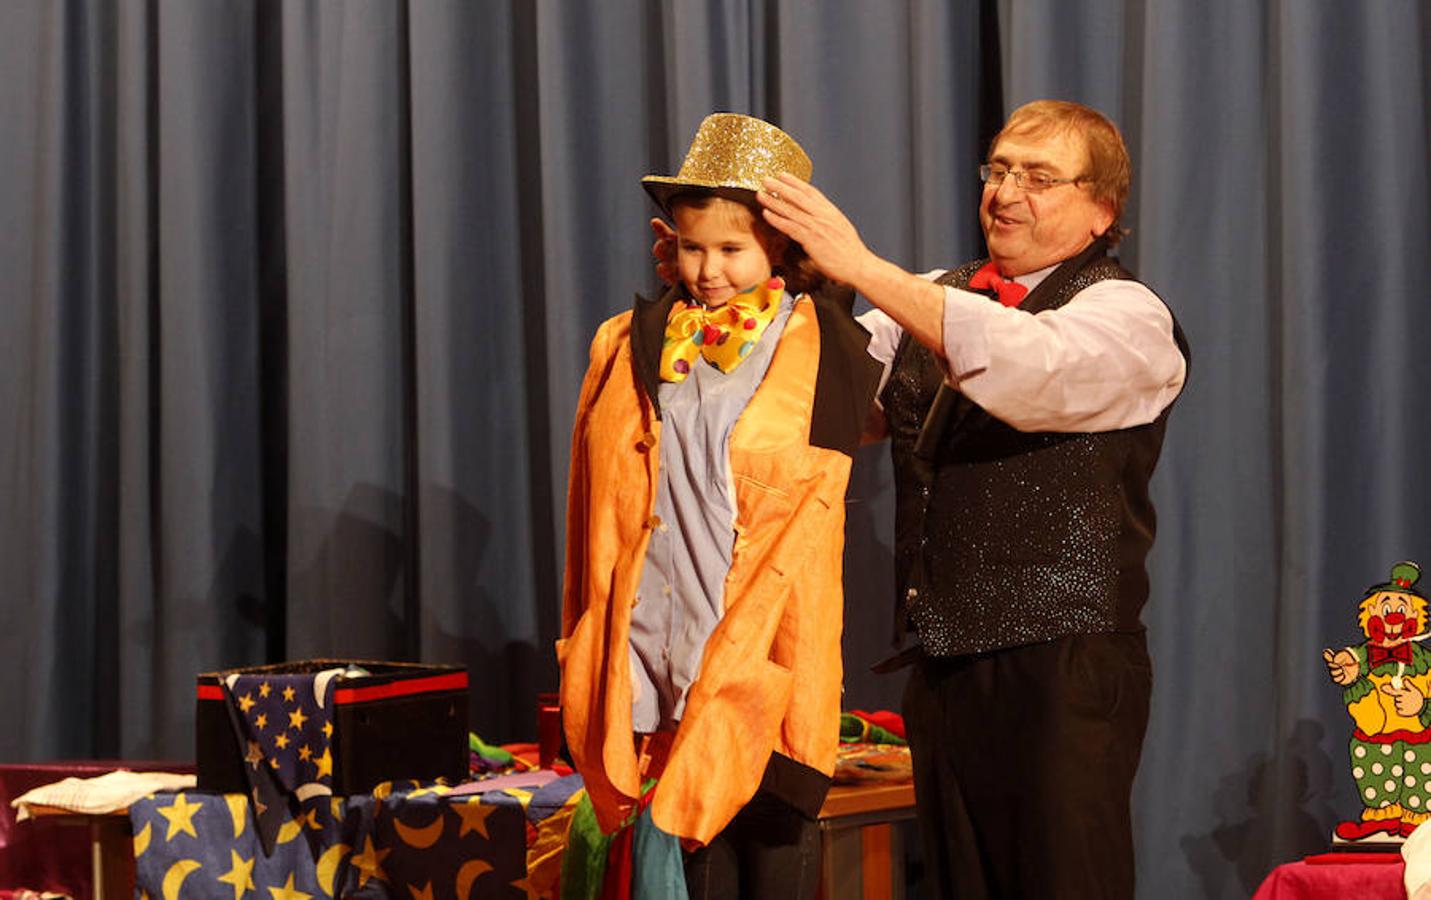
<point x="792" y="263"/>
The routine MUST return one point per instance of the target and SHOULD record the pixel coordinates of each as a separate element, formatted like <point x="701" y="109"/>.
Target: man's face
<point x="1027" y="231"/>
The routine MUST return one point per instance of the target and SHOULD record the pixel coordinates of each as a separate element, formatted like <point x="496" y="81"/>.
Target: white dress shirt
<point x="1104" y="360"/>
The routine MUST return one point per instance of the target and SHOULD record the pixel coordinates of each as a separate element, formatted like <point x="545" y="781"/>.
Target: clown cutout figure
<point x="1385" y="682"/>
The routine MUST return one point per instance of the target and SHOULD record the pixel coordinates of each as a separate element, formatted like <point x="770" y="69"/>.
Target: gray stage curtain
<point x="294" y="303"/>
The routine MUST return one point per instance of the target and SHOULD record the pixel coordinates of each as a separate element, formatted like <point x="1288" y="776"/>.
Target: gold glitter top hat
<point x="729" y="156"/>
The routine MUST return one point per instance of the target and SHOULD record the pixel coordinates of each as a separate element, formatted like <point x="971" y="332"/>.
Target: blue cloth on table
<point x="412" y="842"/>
<point x="551" y="797"/>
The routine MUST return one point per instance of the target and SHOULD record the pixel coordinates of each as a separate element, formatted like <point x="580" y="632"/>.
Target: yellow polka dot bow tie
<point x="723" y="334"/>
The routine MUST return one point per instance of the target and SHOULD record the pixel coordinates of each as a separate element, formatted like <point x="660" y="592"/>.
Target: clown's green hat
<point x="1404" y="576"/>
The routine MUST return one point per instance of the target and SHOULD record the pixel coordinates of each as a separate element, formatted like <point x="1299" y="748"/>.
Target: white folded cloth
<point x="108" y="793"/>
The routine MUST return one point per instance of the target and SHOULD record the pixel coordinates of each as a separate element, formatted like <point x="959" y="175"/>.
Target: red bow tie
<point x="1011" y="293"/>
<point x="1377" y="655"/>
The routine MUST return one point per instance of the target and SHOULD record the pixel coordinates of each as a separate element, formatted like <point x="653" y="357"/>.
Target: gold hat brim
<point x="662" y="188"/>
<point x="729" y="157"/>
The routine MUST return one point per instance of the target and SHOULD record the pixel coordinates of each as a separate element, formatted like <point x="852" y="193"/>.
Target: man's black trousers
<point x="1023" y="767"/>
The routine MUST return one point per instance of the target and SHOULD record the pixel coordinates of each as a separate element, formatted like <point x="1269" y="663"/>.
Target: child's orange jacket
<point x="766" y="704"/>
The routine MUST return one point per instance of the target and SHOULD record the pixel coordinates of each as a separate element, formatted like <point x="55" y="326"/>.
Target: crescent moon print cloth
<point x="411" y="842"/>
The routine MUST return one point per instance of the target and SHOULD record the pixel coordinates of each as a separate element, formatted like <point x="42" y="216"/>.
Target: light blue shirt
<point x="681" y="596"/>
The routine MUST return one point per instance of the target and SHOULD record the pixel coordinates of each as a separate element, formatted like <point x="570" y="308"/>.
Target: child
<point x="705" y="521"/>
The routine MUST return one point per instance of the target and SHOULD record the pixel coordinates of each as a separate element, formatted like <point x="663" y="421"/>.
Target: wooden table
<point x="861" y="849"/>
<point x="61" y="851"/>
<point x="111" y="845"/>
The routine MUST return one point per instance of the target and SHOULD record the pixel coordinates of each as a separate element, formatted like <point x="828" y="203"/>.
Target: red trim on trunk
<point x="456" y="681"/>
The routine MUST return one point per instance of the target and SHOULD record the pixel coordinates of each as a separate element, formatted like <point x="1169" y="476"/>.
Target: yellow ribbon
<point x="724" y="335"/>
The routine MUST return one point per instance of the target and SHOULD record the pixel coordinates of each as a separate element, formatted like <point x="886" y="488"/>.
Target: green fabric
<point x="583" y="864"/>
<point x="490" y="752"/>
<point x="853" y="729"/>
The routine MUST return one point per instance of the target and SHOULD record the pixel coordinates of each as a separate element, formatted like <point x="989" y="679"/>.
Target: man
<point x="1024" y="433"/>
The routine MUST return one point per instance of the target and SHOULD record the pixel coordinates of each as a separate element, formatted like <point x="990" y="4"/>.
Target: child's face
<point x="718" y="250"/>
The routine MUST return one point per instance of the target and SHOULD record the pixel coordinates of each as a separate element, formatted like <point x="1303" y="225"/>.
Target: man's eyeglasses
<point x="1033" y="182"/>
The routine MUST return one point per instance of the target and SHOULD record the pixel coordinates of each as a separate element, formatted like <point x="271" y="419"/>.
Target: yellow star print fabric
<point x="405" y="839"/>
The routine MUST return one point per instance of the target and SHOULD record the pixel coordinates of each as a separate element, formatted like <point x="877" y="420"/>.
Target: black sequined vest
<point x="1003" y="537"/>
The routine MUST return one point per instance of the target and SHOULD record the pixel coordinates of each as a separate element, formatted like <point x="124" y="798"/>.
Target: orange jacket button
<point x="647" y="441"/>
<point x="653" y="523"/>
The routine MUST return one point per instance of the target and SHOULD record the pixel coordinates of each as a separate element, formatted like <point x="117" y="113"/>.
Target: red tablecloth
<point x="1336" y="876"/>
<point x="45" y="855"/>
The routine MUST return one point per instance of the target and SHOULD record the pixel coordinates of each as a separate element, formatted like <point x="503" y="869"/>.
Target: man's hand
<point x="1341" y="666"/>
<point x="1408" y="699"/>
<point x="664" y="249"/>
<point x="800" y="211"/>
